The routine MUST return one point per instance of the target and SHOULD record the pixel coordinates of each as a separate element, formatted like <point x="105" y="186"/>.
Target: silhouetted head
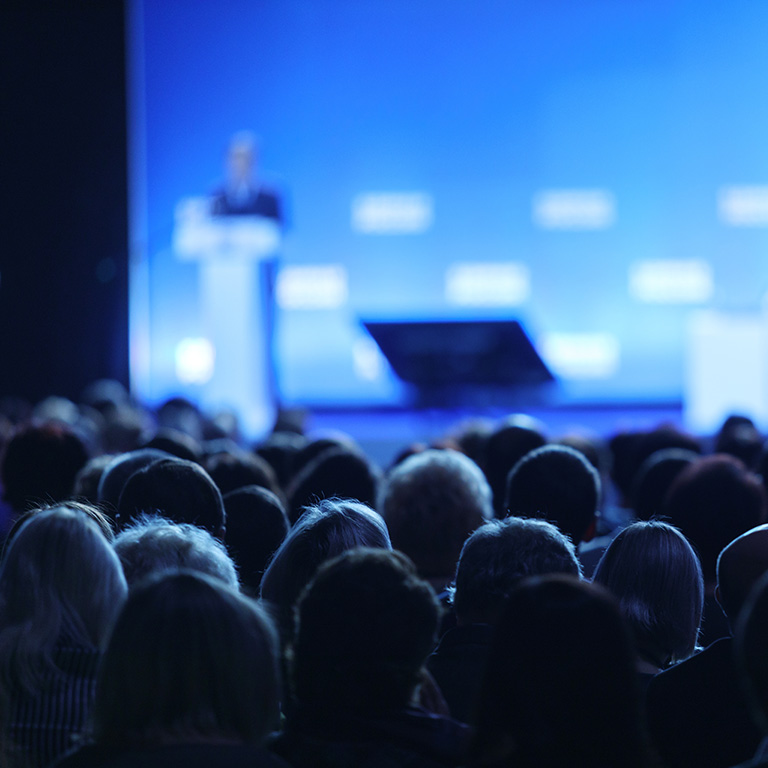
<point x="256" y="527"/>
<point x="713" y="501"/>
<point x="365" y="626"/>
<point x="118" y="470"/>
<point x="654" y="479"/>
<point x="558" y="484"/>
<point x="40" y="463"/>
<point x="432" y="502"/>
<point x="740" y="566"/>
<point x="151" y="545"/>
<point x="325" y="530"/>
<point x="188" y="661"/>
<point x="654" y="573"/>
<point x="505" y="446"/>
<point x="498" y="555"/>
<point x="560" y="685"/>
<point x="180" y="490"/>
<point x="60" y="581"/>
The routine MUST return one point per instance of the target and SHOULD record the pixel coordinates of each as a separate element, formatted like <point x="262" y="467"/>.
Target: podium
<point x="236" y="257"/>
<point x="453" y="363"/>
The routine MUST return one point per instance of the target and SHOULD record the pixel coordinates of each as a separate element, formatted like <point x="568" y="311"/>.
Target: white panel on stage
<point x="726" y="368"/>
<point x="235" y="255"/>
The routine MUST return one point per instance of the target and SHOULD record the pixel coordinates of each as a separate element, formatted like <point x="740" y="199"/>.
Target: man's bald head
<point x="739" y="567"/>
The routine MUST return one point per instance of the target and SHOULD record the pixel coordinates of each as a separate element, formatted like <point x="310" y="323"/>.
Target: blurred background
<point x="596" y="173"/>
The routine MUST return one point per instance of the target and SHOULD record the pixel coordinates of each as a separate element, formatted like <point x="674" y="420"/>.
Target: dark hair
<point x="560" y="686"/>
<point x="558" y="484"/>
<point x="116" y="474"/>
<point x="713" y="501"/>
<point x="256" y="527"/>
<point x="631" y="449"/>
<point x="366" y="624"/>
<point x="500" y="553"/>
<point x="654" y="573"/>
<point x="39" y="465"/>
<point x="739" y="567"/>
<point x="179" y="490"/>
<point x="237" y="469"/>
<point x="176" y="443"/>
<point x="515" y="437"/>
<point x="188" y="659"/>
<point x="340" y="472"/>
<point x="432" y="502"/>
<point x="654" y="479"/>
<point x="327" y="529"/>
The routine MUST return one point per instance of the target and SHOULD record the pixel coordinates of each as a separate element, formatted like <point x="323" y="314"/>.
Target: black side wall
<point x="63" y="196"/>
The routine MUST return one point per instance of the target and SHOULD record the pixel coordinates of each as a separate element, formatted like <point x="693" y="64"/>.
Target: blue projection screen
<point x="597" y="171"/>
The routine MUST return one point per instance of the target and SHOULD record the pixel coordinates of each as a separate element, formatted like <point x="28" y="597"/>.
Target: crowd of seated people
<point x="173" y="595"/>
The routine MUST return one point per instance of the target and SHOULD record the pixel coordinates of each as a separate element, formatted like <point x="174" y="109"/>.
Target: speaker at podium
<point x="454" y="362"/>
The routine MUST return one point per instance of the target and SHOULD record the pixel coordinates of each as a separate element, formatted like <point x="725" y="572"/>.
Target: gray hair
<point x="59" y="578"/>
<point x="152" y="545"/>
<point x="431" y="502"/>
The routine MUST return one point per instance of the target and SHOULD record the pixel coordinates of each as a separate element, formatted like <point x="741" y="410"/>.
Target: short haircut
<point x="151" y="545"/>
<point x="188" y="659"/>
<point x="336" y="472"/>
<point x="325" y="530"/>
<point x="256" y="527"/>
<point x="514" y="438"/>
<point x="237" y="469"/>
<point x="713" y="501"/>
<point x="498" y="555"/>
<point x="432" y="501"/>
<point x="655" y="477"/>
<point x="655" y="574"/>
<point x="739" y="568"/>
<point x="116" y="474"/>
<point x="59" y="578"/>
<point x="560" y="662"/>
<point x="555" y="483"/>
<point x="366" y="625"/>
<point x="40" y="463"/>
<point x="179" y="490"/>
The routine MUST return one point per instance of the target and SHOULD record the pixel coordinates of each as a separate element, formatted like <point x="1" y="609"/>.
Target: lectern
<point x="236" y="257"/>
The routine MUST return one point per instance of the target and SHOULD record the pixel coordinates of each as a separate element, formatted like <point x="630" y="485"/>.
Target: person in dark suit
<point x="242" y="194"/>
<point x="697" y="712"/>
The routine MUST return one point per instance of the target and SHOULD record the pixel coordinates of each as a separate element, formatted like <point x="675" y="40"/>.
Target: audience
<point x="655" y="574"/>
<point x="189" y="678"/>
<point x="712" y="501"/>
<point x="696" y="710"/>
<point x="431" y="502"/>
<point x="39" y="465"/>
<point x="495" y="558"/>
<point x="752" y="661"/>
<point x="555" y="483"/>
<point x="325" y="530"/>
<point x="61" y="586"/>
<point x="152" y="545"/>
<point x="504" y="447"/>
<point x="365" y="626"/>
<point x="560" y="687"/>
<point x="177" y="489"/>
<point x="256" y="527"/>
<point x="202" y="516"/>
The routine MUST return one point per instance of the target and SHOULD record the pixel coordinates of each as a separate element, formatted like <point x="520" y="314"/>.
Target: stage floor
<point x="382" y="433"/>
